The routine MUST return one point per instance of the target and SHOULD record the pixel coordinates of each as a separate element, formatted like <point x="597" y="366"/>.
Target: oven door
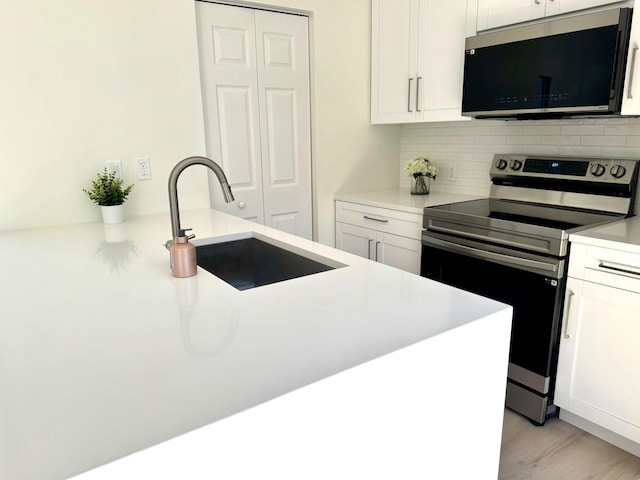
<point x="536" y="298"/>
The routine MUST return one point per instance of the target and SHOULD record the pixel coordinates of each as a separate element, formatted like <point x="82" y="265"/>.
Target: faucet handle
<point x="182" y="232"/>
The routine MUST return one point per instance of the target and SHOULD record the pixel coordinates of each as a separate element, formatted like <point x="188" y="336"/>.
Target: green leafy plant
<point x="106" y="190"/>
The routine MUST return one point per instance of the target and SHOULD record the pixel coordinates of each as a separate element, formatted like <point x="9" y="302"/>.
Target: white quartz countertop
<point x="401" y="199"/>
<point x="103" y="353"/>
<point x="623" y="235"/>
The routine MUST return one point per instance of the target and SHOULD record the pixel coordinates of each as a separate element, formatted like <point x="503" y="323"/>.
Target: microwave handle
<point x="632" y="69"/>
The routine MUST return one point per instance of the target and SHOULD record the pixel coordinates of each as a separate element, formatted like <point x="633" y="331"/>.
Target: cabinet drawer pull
<point x="632" y="69"/>
<point x="409" y="96"/>
<point x="570" y="293"/>
<point x="618" y="269"/>
<point x="377" y="243"/>
<point x="418" y="94"/>
<point x="369" y="250"/>
<point x="375" y="219"/>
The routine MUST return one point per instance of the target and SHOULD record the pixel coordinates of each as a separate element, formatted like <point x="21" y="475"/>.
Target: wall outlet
<point x="451" y="172"/>
<point x="143" y="168"/>
<point x="115" y="166"/>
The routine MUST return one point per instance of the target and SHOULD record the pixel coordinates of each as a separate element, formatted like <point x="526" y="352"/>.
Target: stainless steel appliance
<point x="513" y="247"/>
<point x="571" y="66"/>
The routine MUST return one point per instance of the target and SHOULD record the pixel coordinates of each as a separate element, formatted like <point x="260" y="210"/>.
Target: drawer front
<point x="381" y="219"/>
<point x="606" y="266"/>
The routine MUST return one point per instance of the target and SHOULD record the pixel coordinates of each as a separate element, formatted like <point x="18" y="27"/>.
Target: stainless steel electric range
<point x="513" y="247"/>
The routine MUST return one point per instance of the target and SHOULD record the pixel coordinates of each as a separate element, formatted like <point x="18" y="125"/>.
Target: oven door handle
<point x="485" y="238"/>
<point x="487" y="255"/>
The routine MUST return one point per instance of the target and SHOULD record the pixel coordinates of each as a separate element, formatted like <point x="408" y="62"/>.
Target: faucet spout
<point x="173" y="187"/>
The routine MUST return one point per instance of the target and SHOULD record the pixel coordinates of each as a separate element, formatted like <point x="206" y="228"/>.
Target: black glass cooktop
<point x="526" y="213"/>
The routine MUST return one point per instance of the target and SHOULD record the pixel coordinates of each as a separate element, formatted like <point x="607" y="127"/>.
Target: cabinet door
<point x="356" y="240"/>
<point x="496" y="13"/>
<point x="285" y="121"/>
<point x="394" y="57"/>
<point x="599" y="367"/>
<point x="397" y="251"/>
<point x="441" y="60"/>
<point x="226" y="44"/>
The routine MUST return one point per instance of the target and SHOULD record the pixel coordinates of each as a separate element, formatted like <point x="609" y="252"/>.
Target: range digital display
<point x="558" y="167"/>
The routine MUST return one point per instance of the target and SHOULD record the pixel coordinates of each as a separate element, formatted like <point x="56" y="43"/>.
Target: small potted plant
<point x="421" y="172"/>
<point x="107" y="191"/>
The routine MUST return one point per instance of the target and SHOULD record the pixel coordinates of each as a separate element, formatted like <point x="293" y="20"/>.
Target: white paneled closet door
<point x="255" y="81"/>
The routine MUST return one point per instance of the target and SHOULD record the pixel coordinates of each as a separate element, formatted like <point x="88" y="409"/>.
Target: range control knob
<point x="516" y="164"/>
<point x="597" y="170"/>
<point x="618" y="171"/>
<point x="501" y="164"/>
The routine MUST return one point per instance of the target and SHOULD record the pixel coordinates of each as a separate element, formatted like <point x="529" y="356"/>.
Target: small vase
<point x="420" y="185"/>
<point x="112" y="214"/>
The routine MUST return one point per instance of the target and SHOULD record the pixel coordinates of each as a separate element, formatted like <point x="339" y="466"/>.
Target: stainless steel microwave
<point x="566" y="67"/>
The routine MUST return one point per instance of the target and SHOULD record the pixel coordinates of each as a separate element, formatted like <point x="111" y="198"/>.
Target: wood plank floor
<point x="560" y="451"/>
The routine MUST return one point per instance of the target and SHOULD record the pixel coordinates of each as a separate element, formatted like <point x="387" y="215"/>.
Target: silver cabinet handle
<point x="369" y="249"/>
<point x="618" y="269"/>
<point x="418" y="94"/>
<point x="381" y="220"/>
<point x="377" y="243"/>
<point x="409" y="96"/>
<point x="631" y="71"/>
<point x="241" y="204"/>
<point x="567" y="306"/>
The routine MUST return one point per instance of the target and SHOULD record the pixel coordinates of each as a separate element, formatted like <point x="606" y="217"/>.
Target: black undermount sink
<point x="251" y="262"/>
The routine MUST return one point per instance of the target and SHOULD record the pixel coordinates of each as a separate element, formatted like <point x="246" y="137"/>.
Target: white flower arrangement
<point x="421" y="166"/>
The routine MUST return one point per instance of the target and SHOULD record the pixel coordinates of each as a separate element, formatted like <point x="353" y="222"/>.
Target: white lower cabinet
<point x="598" y="376"/>
<point x="373" y="233"/>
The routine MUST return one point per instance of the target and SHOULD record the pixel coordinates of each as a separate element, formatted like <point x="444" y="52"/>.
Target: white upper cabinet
<point x="417" y="59"/>
<point x="498" y="13"/>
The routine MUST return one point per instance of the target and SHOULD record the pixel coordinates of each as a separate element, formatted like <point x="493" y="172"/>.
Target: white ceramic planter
<point x="112" y="214"/>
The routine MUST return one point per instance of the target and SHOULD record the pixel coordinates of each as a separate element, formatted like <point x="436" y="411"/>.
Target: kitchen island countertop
<point x="364" y="371"/>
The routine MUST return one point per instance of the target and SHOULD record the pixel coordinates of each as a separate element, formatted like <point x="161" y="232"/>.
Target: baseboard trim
<point x="601" y="432"/>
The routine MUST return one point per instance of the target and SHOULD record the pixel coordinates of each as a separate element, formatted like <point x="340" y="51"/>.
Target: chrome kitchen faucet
<point x="173" y="189"/>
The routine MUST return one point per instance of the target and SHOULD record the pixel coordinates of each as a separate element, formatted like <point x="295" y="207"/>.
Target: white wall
<point x="90" y="81"/>
<point x="86" y="82"/>
<point x="470" y="146"/>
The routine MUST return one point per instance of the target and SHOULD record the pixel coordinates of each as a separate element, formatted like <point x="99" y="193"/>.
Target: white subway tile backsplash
<point x="621" y="152"/>
<point x="580" y="151"/>
<point x="603" y="140"/>
<point x="508" y="129"/>
<point x="547" y="150"/>
<point x="632" y="129"/>
<point x="523" y="139"/>
<point x="582" y="130"/>
<point x="472" y="145"/>
<point x="560" y="139"/>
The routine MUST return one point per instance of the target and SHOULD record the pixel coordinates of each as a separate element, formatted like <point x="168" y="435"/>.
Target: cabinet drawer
<point x="381" y="219"/>
<point x="605" y="266"/>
